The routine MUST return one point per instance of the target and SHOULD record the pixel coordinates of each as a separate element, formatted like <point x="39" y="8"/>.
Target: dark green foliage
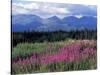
<point x="31" y="37"/>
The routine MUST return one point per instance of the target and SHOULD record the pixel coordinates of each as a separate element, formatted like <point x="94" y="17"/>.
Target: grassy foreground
<point x="54" y="56"/>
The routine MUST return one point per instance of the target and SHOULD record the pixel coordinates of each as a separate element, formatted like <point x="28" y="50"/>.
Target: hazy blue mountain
<point x="70" y="20"/>
<point x="51" y="24"/>
<point x="33" y="22"/>
<point x="54" y="19"/>
<point x="25" y="22"/>
<point x="83" y="22"/>
<point x="24" y="19"/>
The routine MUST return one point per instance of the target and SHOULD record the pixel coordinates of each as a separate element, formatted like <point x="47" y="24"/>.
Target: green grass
<point x="25" y="49"/>
<point x="87" y="64"/>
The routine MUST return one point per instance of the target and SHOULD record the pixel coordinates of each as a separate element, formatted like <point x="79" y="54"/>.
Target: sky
<point x="47" y="9"/>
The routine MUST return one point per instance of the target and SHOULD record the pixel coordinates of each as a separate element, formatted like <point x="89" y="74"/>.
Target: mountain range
<point x="22" y="23"/>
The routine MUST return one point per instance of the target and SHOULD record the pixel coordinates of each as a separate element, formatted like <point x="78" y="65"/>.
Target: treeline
<point x="19" y="37"/>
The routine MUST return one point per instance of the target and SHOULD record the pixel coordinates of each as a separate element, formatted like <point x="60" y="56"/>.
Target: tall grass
<point x="55" y="56"/>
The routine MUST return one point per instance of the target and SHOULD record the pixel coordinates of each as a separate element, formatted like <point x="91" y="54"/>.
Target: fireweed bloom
<point x="69" y="53"/>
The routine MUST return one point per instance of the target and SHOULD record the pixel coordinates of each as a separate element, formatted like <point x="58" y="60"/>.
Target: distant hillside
<point x="22" y="23"/>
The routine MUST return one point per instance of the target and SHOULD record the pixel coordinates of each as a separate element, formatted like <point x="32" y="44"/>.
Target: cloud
<point x="45" y="9"/>
<point x="41" y="9"/>
<point x="27" y="6"/>
<point x="78" y="9"/>
<point x="18" y="10"/>
<point x="54" y="10"/>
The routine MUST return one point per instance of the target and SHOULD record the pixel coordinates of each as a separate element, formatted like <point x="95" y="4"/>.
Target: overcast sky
<point x="45" y="10"/>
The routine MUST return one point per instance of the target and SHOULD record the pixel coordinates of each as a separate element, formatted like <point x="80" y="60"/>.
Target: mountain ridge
<point x="34" y="22"/>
